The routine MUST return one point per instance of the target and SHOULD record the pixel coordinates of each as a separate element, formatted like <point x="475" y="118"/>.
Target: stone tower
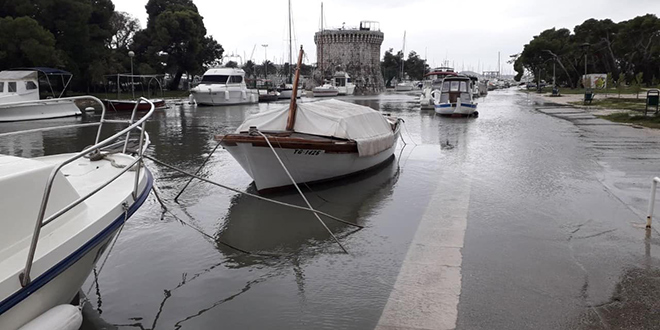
<point x="356" y="51"/>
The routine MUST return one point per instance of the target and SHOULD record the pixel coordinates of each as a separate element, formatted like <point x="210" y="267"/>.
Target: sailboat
<point x="287" y="90"/>
<point x="403" y="85"/>
<point x="315" y="141"/>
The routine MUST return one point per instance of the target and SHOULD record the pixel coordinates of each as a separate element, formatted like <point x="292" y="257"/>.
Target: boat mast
<point x="290" y="45"/>
<point x="291" y="120"/>
<point x="403" y="51"/>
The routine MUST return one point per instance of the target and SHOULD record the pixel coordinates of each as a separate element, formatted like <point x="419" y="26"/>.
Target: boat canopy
<point x="45" y="70"/>
<point x="331" y="118"/>
<point x="18" y="75"/>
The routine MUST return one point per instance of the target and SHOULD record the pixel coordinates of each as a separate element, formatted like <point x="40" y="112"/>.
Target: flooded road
<point x="522" y="218"/>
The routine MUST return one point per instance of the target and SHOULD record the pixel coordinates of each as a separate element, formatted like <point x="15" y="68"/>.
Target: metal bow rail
<point x="98" y="146"/>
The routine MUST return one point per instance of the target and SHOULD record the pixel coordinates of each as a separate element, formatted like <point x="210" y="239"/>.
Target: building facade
<point x="356" y="51"/>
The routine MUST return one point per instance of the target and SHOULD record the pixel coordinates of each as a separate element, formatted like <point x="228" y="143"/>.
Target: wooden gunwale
<point x="285" y="141"/>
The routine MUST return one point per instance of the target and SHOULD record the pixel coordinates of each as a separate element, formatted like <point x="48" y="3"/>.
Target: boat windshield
<point x="214" y="79"/>
<point x="2" y="86"/>
<point x="445" y="86"/>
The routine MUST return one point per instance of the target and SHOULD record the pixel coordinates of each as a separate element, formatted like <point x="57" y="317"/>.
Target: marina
<point x="185" y="268"/>
<point x="156" y="173"/>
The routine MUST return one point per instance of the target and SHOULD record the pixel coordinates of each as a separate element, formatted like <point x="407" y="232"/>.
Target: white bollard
<point x="652" y="202"/>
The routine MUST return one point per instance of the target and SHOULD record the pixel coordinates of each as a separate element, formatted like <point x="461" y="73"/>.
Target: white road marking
<point x="428" y="287"/>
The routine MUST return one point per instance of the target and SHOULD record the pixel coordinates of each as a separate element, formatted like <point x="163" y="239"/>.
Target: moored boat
<point x="325" y="90"/>
<point x="223" y="86"/>
<point x="20" y="95"/>
<point x="433" y="80"/>
<point x="67" y="210"/>
<point x="454" y="97"/>
<point x="343" y="83"/>
<point x="404" y="86"/>
<point x="316" y="141"/>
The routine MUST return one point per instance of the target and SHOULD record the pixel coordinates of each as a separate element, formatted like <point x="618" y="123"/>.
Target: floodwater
<point x="551" y="238"/>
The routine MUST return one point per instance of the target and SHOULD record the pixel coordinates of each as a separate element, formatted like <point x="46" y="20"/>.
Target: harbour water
<point x="528" y="186"/>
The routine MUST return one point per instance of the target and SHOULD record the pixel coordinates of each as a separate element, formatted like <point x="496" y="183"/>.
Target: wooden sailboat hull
<point x="308" y="160"/>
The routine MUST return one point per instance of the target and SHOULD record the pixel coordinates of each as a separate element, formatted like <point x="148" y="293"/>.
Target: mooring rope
<point x="250" y="194"/>
<point x="300" y="192"/>
<point x="176" y="199"/>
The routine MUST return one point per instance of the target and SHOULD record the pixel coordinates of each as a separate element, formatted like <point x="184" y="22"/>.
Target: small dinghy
<point x="316" y="141"/>
<point x="60" y="212"/>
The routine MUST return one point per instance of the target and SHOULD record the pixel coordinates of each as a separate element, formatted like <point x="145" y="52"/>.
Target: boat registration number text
<point x="307" y="152"/>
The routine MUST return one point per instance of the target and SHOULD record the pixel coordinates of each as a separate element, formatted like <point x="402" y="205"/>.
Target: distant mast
<point x="403" y="51"/>
<point x="290" y="46"/>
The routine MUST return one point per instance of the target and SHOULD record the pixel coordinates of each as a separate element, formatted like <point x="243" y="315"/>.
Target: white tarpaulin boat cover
<point x="332" y="118"/>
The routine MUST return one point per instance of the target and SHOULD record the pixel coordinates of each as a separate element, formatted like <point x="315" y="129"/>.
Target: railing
<point x="98" y="145"/>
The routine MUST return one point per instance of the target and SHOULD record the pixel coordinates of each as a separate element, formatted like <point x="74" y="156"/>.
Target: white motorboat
<point x="60" y="214"/>
<point x="223" y="86"/>
<point x="316" y="141"/>
<point x="287" y="90"/>
<point x="433" y="80"/>
<point x="343" y="83"/>
<point x="20" y="95"/>
<point x="325" y="90"/>
<point x="455" y="97"/>
<point x="404" y="86"/>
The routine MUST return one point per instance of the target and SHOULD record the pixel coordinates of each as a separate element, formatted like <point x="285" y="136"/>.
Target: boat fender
<point x="244" y="95"/>
<point x="61" y="317"/>
<point x="226" y="95"/>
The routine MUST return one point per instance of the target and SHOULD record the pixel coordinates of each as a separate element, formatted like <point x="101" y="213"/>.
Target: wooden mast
<point x="291" y="120"/>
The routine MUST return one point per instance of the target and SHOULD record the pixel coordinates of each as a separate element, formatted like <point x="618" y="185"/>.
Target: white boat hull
<point x="226" y="97"/>
<point x="68" y="250"/>
<point x="32" y="110"/>
<point x="305" y="165"/>
<point x="462" y="109"/>
<point x="325" y="93"/>
<point x="403" y="88"/>
<point x="286" y="93"/>
<point x="346" y="90"/>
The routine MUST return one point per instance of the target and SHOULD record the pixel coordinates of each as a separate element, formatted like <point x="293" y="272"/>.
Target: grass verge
<point x="651" y="121"/>
<point x="617" y="103"/>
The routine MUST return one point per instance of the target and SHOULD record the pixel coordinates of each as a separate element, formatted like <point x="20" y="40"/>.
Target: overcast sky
<point x="468" y="34"/>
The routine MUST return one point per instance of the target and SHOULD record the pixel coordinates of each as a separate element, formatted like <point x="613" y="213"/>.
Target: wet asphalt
<point x="554" y="203"/>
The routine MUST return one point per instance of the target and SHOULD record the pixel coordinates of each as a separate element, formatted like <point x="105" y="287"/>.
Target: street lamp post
<point x="131" y="54"/>
<point x="585" y="47"/>
<point x="265" y="46"/>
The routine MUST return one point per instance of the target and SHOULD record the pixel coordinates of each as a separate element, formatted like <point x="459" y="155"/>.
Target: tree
<point x="123" y="28"/>
<point x="621" y="83"/>
<point x="627" y="47"/>
<point x="81" y="29"/>
<point x="609" y="82"/>
<point x="24" y="43"/>
<point x="270" y="68"/>
<point x="249" y="68"/>
<point x="415" y="66"/>
<point x="638" y="80"/>
<point x="175" y="39"/>
<point x="391" y="66"/>
<point x="231" y="64"/>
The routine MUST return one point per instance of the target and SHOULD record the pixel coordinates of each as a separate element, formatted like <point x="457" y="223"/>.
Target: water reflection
<point x="269" y="229"/>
